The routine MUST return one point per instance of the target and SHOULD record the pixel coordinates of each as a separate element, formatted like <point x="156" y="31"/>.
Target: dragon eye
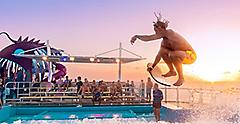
<point x="18" y="52"/>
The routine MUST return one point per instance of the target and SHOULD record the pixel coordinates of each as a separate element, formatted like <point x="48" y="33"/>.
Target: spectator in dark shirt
<point x="157" y="99"/>
<point x="79" y="85"/>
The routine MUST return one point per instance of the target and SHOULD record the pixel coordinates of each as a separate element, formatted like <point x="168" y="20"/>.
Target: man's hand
<point x="150" y="68"/>
<point x="133" y="39"/>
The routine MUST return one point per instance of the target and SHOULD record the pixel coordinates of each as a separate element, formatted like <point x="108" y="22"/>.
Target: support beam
<point x="120" y="62"/>
<point x="49" y="62"/>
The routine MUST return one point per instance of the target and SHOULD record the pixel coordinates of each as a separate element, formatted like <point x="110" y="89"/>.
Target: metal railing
<point x="20" y="88"/>
<point x="176" y="95"/>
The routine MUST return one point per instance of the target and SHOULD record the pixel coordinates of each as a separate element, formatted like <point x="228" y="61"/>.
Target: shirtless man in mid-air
<point x="175" y="50"/>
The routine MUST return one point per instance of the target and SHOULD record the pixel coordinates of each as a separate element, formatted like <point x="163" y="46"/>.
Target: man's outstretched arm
<point x="148" y="37"/>
<point x="145" y="38"/>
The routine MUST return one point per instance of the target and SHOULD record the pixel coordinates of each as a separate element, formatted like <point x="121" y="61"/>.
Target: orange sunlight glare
<point x="216" y="59"/>
<point x="212" y="72"/>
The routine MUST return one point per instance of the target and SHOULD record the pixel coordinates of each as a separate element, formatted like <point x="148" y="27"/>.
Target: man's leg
<point x="1" y="103"/>
<point x="158" y="114"/>
<point x="165" y="55"/>
<point x="150" y="96"/>
<point x="146" y="95"/>
<point x="155" y="113"/>
<point x="177" y="59"/>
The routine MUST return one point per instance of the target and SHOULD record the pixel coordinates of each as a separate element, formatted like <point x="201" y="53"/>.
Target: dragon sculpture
<point x="12" y="63"/>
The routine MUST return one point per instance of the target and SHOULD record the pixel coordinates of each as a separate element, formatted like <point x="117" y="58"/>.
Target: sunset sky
<point x="89" y="27"/>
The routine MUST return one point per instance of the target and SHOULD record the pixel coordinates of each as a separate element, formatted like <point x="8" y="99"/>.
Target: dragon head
<point x="18" y="47"/>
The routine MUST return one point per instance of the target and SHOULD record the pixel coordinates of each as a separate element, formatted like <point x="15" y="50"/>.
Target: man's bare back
<point x="175" y="42"/>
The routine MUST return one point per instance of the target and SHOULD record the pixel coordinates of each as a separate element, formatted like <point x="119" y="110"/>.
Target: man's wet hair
<point x="161" y="22"/>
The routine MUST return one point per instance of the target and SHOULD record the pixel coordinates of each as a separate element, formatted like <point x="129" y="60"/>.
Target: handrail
<point x="190" y="95"/>
<point x="18" y="87"/>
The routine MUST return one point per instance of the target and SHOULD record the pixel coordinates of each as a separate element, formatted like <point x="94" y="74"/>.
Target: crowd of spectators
<point x="82" y="87"/>
<point x="114" y="89"/>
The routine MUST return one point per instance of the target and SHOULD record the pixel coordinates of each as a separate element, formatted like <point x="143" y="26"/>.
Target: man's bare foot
<point x="170" y="73"/>
<point x="179" y="82"/>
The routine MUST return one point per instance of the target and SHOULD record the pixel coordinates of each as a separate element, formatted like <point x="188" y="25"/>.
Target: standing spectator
<point x="127" y="88"/>
<point x="157" y="99"/>
<point x="79" y="85"/>
<point x="149" y="89"/>
<point x="119" y="87"/>
<point x="132" y="88"/>
<point x="142" y="89"/>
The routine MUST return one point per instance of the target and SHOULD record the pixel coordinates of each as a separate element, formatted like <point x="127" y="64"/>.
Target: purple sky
<point x="89" y="27"/>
